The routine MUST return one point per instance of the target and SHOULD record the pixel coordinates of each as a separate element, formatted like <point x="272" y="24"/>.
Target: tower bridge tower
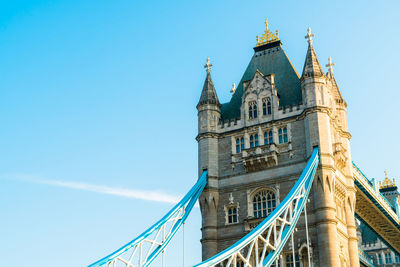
<point x="256" y="145"/>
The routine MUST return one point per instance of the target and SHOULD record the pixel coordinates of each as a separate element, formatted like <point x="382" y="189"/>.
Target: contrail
<point x="155" y="195"/>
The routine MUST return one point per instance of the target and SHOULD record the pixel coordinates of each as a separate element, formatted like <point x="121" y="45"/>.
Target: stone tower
<point x="256" y="145"/>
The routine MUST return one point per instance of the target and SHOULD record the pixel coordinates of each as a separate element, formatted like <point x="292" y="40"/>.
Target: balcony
<point x="260" y="157"/>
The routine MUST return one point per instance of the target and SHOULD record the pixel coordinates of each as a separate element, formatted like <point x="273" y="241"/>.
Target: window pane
<point x="250" y="112"/>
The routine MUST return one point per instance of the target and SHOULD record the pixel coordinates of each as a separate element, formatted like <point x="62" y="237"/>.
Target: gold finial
<point x="387" y="183"/>
<point x="268" y="36"/>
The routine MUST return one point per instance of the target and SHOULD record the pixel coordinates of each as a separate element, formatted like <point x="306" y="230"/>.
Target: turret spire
<point x="312" y="68"/>
<point x="208" y="94"/>
<point x="309" y="36"/>
<point x="335" y="88"/>
<point x="330" y="65"/>
<point x="208" y="65"/>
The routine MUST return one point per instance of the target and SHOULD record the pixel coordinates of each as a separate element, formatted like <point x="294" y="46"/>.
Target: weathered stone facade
<point x="258" y="144"/>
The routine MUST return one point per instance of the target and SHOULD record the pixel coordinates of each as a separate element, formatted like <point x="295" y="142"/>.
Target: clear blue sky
<point x="103" y="93"/>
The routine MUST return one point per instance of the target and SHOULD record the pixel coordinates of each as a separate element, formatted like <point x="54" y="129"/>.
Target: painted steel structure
<point x="365" y="260"/>
<point x="299" y="113"/>
<point x="268" y="238"/>
<point x="373" y="209"/>
<point x="143" y="250"/>
<point x="262" y="246"/>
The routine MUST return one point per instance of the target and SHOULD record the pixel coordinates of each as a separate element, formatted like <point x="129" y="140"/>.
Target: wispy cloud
<point x="156" y="196"/>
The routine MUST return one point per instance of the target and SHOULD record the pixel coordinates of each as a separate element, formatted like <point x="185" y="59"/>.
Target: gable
<point x="268" y="59"/>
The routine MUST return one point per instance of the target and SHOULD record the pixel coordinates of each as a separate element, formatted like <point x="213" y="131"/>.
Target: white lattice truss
<point x="262" y="246"/>
<point x="142" y="251"/>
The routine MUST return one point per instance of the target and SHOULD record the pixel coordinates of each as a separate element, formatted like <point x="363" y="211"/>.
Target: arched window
<point x="388" y="258"/>
<point x="283" y="136"/>
<point x="255" y="110"/>
<point x="268" y="138"/>
<point x="232" y="215"/>
<point x="380" y="260"/>
<point x="253" y="140"/>
<point x="269" y="107"/>
<point x="264" y="108"/>
<point x="239" y="144"/>
<point x="264" y="203"/>
<point x="252" y="110"/>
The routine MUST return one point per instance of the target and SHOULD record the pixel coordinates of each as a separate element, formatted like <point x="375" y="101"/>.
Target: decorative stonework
<point x="260" y="158"/>
<point x="339" y="153"/>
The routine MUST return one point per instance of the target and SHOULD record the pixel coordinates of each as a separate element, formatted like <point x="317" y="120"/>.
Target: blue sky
<point x="99" y="97"/>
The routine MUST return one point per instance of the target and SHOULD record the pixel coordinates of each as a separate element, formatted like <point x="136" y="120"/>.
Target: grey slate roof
<point x="271" y="60"/>
<point x="208" y="94"/>
<point x="311" y="68"/>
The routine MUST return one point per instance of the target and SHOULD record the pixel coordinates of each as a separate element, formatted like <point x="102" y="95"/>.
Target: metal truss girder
<point x="273" y="232"/>
<point x="142" y="251"/>
<point x="372" y="208"/>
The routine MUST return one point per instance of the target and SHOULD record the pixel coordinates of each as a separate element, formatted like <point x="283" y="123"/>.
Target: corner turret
<point x="209" y="114"/>
<point x="313" y="79"/>
<point x="209" y="107"/>
<point x="312" y="68"/>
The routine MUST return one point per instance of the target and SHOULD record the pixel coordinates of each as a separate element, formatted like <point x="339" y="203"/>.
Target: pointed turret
<point x="311" y="68"/>
<point x="208" y="94"/>
<point x="335" y="88"/>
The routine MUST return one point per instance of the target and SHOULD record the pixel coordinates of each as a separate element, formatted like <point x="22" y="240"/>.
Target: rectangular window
<point x="253" y="140"/>
<point x="239" y="144"/>
<point x="232" y="215"/>
<point x="283" y="136"/>
<point x="380" y="260"/>
<point x="268" y="138"/>
<point x="289" y="260"/>
<point x="388" y="258"/>
<point x="253" y="110"/>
